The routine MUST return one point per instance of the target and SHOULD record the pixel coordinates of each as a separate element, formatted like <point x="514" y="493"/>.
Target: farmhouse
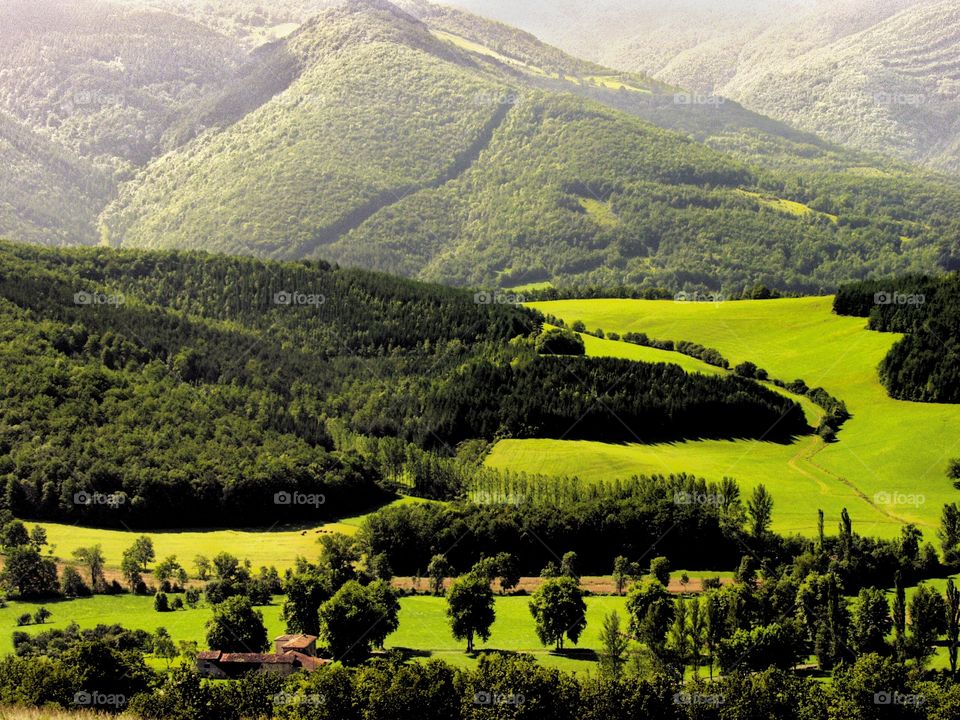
<point x="292" y="653"/>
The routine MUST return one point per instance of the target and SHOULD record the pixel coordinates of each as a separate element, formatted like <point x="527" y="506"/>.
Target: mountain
<point x="48" y="195"/>
<point x="880" y="77"/>
<point x="106" y="80"/>
<point x="455" y="150"/>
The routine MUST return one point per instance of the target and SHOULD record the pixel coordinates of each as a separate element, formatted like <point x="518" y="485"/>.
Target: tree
<point x="236" y="627"/>
<point x="142" y="551"/>
<point x="559" y="341"/>
<point x="698" y="629"/>
<point x="225" y="566"/>
<point x="93" y="559"/>
<point x="949" y="533"/>
<point x="651" y="611"/>
<point x="438" y="569"/>
<point x="953" y="623"/>
<point x="14" y="534"/>
<point x="928" y="620"/>
<point x="910" y="537"/>
<point x="899" y="615"/>
<point x="161" y="603"/>
<point x="29" y="574"/>
<point x="163" y="645"/>
<point x="306" y="590"/>
<point x="715" y="616"/>
<point x="614" y="643"/>
<point x="130" y="569"/>
<point x="38" y="536"/>
<point x="470" y="609"/>
<point x="71" y="584"/>
<point x="760" y="511"/>
<point x="568" y="565"/>
<point x="680" y="632"/>
<point x="660" y="570"/>
<point x="41" y="615"/>
<point x="621" y="573"/>
<point x="348" y="621"/>
<point x="340" y="554"/>
<point x="871" y="622"/>
<point x="559" y="611"/>
<point x="202" y="564"/>
<point x="167" y="568"/>
<point x="953" y="470"/>
<point x="387" y="602"/>
<point x="508" y="571"/>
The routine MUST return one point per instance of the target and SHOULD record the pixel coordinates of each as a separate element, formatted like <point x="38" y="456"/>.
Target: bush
<point x="25" y="619"/>
<point x="558" y="341"/>
<point x="160" y="603"/>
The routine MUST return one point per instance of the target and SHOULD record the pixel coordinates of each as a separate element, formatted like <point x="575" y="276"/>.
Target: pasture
<point x="888" y="467"/>
<point x="278" y="546"/>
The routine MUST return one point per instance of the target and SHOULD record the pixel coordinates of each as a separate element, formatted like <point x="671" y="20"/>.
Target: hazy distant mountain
<point x="879" y="76"/>
<point x="47" y="194"/>
<point x="443" y="147"/>
<point x="104" y="80"/>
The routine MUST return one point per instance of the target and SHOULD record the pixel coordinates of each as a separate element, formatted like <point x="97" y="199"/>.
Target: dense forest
<point x="436" y="163"/>
<point x="923" y="366"/>
<point x="156" y="379"/>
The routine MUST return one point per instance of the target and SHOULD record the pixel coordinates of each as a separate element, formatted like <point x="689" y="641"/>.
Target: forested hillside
<point x="104" y="80"/>
<point x="48" y="195"/>
<point x="923" y="366"/>
<point x="157" y="380"/>
<point x="404" y="147"/>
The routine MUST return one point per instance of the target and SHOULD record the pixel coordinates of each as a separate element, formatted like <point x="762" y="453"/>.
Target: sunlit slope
<point x="887" y="468"/>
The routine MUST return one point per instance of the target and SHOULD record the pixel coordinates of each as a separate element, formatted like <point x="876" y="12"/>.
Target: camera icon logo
<point x="282" y="498"/>
<point x="282" y="298"/>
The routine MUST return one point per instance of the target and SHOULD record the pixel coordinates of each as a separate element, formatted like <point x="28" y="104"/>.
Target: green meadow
<point x="424" y="628"/>
<point x="278" y="546"/>
<point x="888" y="467"/>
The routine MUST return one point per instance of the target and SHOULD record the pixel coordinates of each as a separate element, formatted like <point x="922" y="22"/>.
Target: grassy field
<point x="424" y="628"/>
<point x="132" y="611"/>
<point x="277" y="546"/>
<point x="423" y="625"/>
<point x="888" y="467"/>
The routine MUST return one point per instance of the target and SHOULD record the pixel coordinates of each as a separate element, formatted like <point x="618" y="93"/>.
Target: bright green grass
<point x="600" y="212"/>
<point x="424" y="627"/>
<point x="423" y="624"/>
<point x="278" y="546"/>
<point x="134" y="612"/>
<point x="790" y="207"/>
<point x="887" y="447"/>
